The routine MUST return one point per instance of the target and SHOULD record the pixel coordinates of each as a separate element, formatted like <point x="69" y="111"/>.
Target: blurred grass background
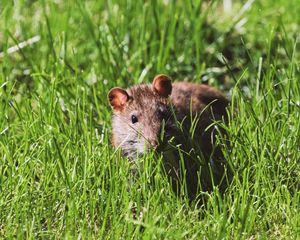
<point x="59" y="177"/>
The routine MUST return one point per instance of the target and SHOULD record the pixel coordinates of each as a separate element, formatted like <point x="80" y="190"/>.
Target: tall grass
<point x="59" y="176"/>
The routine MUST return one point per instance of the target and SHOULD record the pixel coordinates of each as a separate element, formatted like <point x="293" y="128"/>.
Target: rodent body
<point x="142" y="112"/>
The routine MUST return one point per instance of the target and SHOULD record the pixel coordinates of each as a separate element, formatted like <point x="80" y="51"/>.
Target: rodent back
<point x="186" y="95"/>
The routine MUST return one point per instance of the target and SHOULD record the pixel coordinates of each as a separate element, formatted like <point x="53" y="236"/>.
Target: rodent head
<point x="139" y="115"/>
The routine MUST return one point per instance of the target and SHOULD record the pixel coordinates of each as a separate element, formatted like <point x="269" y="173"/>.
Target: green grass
<point x="59" y="176"/>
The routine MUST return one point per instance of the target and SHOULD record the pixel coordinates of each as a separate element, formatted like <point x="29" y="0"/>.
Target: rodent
<point x="142" y="112"/>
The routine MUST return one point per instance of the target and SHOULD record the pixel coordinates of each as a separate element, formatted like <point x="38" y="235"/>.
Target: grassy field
<point x="59" y="176"/>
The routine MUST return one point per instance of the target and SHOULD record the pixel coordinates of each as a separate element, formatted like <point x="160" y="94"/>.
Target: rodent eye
<point x="134" y="119"/>
<point x="162" y="111"/>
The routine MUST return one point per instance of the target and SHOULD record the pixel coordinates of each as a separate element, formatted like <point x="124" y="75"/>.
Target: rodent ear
<point x="162" y="84"/>
<point x="117" y="98"/>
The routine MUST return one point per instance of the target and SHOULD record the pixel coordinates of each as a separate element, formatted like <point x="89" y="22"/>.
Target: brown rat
<point x="166" y="114"/>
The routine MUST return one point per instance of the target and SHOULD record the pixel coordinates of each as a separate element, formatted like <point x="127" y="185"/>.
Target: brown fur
<point x="152" y="105"/>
